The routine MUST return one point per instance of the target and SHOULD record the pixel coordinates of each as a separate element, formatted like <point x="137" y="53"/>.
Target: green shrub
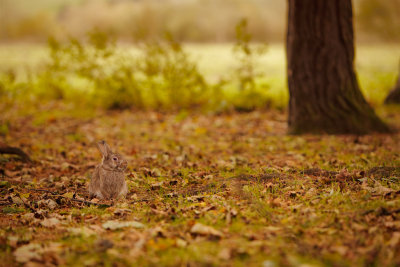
<point x="251" y="93"/>
<point x="95" y="69"/>
<point x="173" y="79"/>
<point x="158" y="75"/>
<point x="11" y="89"/>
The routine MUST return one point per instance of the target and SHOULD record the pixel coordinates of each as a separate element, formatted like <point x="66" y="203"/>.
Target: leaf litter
<point x="204" y="190"/>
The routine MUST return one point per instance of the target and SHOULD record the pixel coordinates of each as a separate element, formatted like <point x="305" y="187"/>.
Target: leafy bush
<point x="160" y="76"/>
<point x="171" y="77"/>
<point x="157" y="75"/>
<point x="251" y="95"/>
<point x="10" y="88"/>
<point x="96" y="69"/>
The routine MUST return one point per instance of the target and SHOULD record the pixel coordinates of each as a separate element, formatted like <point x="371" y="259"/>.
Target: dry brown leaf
<point x="50" y="223"/>
<point x="342" y="250"/>
<point x="201" y="229"/>
<point x="225" y="254"/>
<point x="181" y="243"/>
<point x="395" y="240"/>
<point x="47" y="203"/>
<point x="17" y="200"/>
<point x="28" y="252"/>
<point x="114" y="225"/>
<point x="395" y="224"/>
<point x="83" y="231"/>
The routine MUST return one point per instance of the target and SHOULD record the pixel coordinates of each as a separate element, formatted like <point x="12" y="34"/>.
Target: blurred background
<point x="208" y="37"/>
<point x="205" y="21"/>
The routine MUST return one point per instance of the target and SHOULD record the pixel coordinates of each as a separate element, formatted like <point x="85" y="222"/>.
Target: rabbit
<point x="108" y="180"/>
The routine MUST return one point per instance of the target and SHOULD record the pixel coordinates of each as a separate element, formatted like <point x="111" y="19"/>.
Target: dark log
<point x="15" y="151"/>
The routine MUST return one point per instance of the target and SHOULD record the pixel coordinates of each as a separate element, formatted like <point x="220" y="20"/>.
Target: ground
<point x="204" y="190"/>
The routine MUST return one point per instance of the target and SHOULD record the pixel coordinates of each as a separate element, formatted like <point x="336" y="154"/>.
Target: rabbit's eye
<point x="114" y="158"/>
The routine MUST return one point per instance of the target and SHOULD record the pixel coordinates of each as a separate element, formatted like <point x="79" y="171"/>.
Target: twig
<point x="55" y="194"/>
<point x="41" y="190"/>
<point x="26" y="204"/>
<point x="140" y="200"/>
<point x="381" y="211"/>
<point x="84" y="201"/>
<point x="78" y="200"/>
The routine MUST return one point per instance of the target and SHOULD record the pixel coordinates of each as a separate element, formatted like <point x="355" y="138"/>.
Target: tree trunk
<point x="394" y="95"/>
<point x="324" y="92"/>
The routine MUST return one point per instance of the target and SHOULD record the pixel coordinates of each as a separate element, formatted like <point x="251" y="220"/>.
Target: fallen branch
<point x="84" y="201"/>
<point x="55" y="194"/>
<point x="15" y="151"/>
<point x="139" y="200"/>
<point x="41" y="190"/>
<point x="381" y="211"/>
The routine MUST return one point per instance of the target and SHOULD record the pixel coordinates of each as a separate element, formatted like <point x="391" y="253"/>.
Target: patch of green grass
<point x="4" y="128"/>
<point x="12" y="209"/>
<point x="92" y="210"/>
<point x="88" y="251"/>
<point x="4" y="184"/>
<point x="45" y="116"/>
<point x="6" y="257"/>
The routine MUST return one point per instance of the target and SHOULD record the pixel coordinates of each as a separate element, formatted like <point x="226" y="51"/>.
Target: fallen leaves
<point x="50" y="222"/>
<point x="47" y="203"/>
<point x="115" y="225"/>
<point x="228" y="193"/>
<point x="28" y="252"/>
<point x="82" y="231"/>
<point x="395" y="240"/>
<point x="201" y="229"/>
<point x="156" y="186"/>
<point x="377" y="189"/>
<point x="17" y="200"/>
<point x="34" y="252"/>
<point x="230" y="213"/>
<point x="68" y="195"/>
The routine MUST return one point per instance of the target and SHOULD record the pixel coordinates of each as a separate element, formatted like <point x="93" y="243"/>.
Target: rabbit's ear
<point x="104" y="148"/>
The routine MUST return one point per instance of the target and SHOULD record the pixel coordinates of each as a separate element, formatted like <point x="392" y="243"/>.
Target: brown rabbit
<point x="108" y="181"/>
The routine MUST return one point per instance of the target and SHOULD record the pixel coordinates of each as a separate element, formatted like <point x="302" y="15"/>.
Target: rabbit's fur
<point x="108" y="180"/>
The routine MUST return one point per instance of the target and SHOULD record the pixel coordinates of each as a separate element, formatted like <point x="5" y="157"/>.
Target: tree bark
<point x="324" y="91"/>
<point x="394" y="95"/>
